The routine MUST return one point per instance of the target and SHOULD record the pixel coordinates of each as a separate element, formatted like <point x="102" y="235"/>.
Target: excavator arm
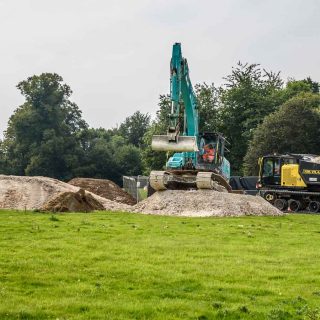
<point x="182" y="94"/>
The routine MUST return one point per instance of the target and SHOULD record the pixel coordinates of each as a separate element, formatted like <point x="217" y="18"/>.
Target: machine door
<point x="271" y="173"/>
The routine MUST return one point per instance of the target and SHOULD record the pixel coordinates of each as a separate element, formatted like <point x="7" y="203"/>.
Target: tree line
<point x="256" y="111"/>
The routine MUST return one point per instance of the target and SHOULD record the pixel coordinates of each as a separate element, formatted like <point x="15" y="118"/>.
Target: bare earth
<point x="32" y="193"/>
<point x="104" y="188"/>
<point x="46" y="193"/>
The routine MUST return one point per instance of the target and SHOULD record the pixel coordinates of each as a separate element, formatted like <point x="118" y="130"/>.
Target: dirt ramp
<point x="205" y="203"/>
<point x="104" y="188"/>
<point x="80" y="201"/>
<point x="31" y="193"/>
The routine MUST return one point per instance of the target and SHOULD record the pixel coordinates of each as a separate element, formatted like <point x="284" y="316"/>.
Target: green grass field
<point x="130" y="266"/>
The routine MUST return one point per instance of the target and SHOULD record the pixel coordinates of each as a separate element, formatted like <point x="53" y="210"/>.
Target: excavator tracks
<point x="188" y="179"/>
<point x="293" y="201"/>
<point x="158" y="180"/>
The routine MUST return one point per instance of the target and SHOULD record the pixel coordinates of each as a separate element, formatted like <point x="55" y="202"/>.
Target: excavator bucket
<point x="184" y="144"/>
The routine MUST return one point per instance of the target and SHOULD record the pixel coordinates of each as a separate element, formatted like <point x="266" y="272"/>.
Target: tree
<point x="41" y="138"/>
<point x="248" y="96"/>
<point x="128" y="160"/>
<point x="314" y="86"/>
<point x="134" y="128"/>
<point x="155" y="160"/>
<point x="208" y="104"/>
<point x="97" y="159"/>
<point x="126" y="157"/>
<point x="106" y="155"/>
<point x="294" y="128"/>
<point x="295" y="87"/>
<point x="3" y="164"/>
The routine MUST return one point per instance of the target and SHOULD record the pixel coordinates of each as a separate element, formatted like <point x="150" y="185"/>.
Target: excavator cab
<point x="271" y="174"/>
<point x="212" y="148"/>
<point x="270" y="169"/>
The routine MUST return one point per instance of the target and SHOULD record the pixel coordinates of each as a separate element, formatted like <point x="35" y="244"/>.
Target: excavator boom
<point x="181" y="93"/>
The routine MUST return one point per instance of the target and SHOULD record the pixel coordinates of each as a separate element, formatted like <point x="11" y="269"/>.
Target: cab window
<point x="276" y="167"/>
<point x="267" y="168"/>
<point x="289" y="161"/>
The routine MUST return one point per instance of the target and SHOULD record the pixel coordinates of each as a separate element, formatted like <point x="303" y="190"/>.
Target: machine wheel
<point x="294" y="205"/>
<point x="281" y="204"/>
<point x="314" y="206"/>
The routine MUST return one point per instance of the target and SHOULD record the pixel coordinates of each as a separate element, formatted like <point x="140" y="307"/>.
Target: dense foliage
<point x="41" y="138"/>
<point x="47" y="136"/>
<point x="255" y="111"/>
<point x="294" y="127"/>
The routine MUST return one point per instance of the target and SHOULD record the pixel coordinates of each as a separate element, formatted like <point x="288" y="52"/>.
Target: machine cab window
<point x="271" y="171"/>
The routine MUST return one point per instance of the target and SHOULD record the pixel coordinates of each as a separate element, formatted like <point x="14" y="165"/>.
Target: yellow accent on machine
<point x="290" y="181"/>
<point x="290" y="176"/>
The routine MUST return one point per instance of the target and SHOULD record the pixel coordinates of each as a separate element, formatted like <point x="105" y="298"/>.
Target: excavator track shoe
<point x="158" y="180"/>
<point x="210" y="180"/>
<point x="204" y="180"/>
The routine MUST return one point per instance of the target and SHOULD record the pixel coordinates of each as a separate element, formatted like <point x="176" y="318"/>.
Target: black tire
<point x="295" y="205"/>
<point x="281" y="204"/>
<point x="314" y="206"/>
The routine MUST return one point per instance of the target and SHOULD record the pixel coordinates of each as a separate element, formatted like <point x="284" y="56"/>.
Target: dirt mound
<point x="104" y="188"/>
<point x="50" y="194"/>
<point x="80" y="201"/>
<point x="205" y="203"/>
<point x="33" y="192"/>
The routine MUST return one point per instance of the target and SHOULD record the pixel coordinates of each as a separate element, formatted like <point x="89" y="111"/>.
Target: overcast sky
<point x="115" y="54"/>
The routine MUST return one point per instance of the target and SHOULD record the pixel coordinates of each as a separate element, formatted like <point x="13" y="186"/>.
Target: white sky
<point x="115" y="54"/>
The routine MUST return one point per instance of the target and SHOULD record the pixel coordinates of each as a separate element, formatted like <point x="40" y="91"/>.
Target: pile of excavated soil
<point x="80" y="201"/>
<point x="104" y="188"/>
<point x="34" y="192"/>
<point x="53" y="195"/>
<point x="205" y="203"/>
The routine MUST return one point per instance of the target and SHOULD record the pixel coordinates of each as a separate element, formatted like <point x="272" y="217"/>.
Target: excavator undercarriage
<point x="188" y="179"/>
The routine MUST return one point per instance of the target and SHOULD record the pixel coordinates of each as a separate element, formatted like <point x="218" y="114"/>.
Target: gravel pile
<point x="32" y="193"/>
<point x="205" y="203"/>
